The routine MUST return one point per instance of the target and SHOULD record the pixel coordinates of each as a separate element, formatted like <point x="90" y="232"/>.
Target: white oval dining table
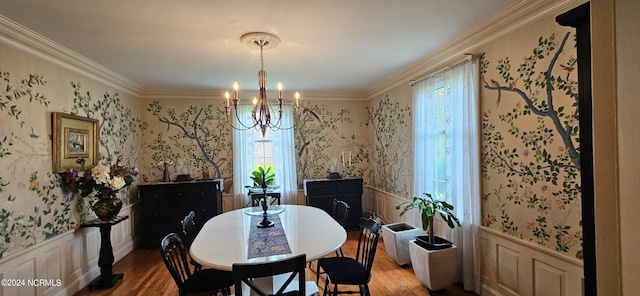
<point x="224" y="239"/>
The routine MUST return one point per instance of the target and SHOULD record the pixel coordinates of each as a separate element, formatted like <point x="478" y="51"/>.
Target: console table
<point x="321" y="192"/>
<point x="257" y="194"/>
<point x="164" y="204"/>
<point x="107" y="278"/>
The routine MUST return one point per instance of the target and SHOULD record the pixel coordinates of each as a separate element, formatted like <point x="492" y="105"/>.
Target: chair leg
<point x="326" y="288"/>
<point x="317" y="273"/>
<point x="366" y="290"/>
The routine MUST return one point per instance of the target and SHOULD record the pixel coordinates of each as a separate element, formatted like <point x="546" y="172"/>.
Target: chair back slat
<point x="174" y="255"/>
<point x="340" y="211"/>
<point x="368" y="242"/>
<point x="189" y="231"/>
<point x="247" y="272"/>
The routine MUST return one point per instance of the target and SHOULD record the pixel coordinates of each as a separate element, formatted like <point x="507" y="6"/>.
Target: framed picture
<point x="74" y="137"/>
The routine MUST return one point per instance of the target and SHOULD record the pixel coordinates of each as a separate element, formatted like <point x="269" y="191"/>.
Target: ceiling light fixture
<point x="261" y="113"/>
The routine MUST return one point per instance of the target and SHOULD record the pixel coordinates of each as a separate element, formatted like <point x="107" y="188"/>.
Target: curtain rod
<point x="468" y="56"/>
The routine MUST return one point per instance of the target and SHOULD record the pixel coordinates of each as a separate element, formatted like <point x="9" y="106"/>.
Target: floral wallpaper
<point x="530" y="145"/>
<point x="389" y="126"/>
<point x="329" y="131"/>
<point x="34" y="205"/>
<point x="119" y="137"/>
<point x="194" y="138"/>
<point x="22" y="226"/>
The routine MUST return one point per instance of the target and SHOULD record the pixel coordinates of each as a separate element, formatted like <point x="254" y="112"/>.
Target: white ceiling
<point x="327" y="45"/>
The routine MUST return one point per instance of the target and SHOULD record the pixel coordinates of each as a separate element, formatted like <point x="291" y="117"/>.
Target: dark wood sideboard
<point x="165" y="204"/>
<point x="321" y="192"/>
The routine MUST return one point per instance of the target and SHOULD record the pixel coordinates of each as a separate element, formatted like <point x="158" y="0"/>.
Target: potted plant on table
<point x="262" y="184"/>
<point x="434" y="259"/>
<point x="262" y="177"/>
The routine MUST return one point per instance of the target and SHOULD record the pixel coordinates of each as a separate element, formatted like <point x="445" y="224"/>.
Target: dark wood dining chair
<point x="188" y="233"/>
<point x="340" y="212"/>
<point x="247" y="272"/>
<point x="209" y="281"/>
<point x="353" y="271"/>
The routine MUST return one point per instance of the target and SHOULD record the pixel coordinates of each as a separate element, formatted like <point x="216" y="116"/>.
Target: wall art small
<point x="74" y="137"/>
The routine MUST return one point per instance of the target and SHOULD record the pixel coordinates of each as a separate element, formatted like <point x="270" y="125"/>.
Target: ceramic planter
<point x="436" y="269"/>
<point x="396" y="239"/>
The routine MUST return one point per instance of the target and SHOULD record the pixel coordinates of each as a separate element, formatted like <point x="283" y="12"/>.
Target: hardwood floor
<point x="146" y="274"/>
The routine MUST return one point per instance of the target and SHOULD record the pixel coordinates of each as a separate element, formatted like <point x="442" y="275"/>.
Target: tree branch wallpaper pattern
<point x="22" y="226"/>
<point x="389" y="124"/>
<point x="35" y="207"/>
<point x="326" y="132"/>
<point x="196" y="138"/>
<point x="530" y="145"/>
<point x="119" y="137"/>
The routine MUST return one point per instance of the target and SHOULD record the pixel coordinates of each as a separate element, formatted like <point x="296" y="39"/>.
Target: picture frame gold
<point x="73" y="137"/>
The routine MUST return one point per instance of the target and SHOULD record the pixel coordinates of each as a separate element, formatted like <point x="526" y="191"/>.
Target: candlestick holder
<point x="265" y="223"/>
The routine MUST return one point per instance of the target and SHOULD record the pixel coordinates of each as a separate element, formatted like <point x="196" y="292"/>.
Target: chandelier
<point x="261" y="114"/>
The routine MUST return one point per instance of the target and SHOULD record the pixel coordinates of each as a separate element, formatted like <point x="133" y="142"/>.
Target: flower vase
<point x="165" y="173"/>
<point x="107" y="207"/>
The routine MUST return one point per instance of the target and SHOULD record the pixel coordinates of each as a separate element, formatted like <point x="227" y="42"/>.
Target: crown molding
<point x="26" y="40"/>
<point x="510" y="20"/>
<point x="158" y="93"/>
<point x="218" y="94"/>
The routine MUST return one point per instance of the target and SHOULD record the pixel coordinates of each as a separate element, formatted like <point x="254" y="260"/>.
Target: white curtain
<point x="285" y="158"/>
<point x="459" y="87"/>
<point x="243" y="146"/>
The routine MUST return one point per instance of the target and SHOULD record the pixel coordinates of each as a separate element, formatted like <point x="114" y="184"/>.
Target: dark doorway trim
<point x="579" y="18"/>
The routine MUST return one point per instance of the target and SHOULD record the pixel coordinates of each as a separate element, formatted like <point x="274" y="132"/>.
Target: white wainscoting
<point x="511" y="266"/>
<point x="383" y="205"/>
<point x="71" y="257"/>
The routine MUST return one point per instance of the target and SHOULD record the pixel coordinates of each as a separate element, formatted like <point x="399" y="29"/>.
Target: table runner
<point x="267" y="241"/>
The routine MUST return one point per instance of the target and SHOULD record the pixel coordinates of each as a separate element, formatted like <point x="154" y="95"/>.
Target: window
<point x="263" y="150"/>
<point x="446" y="159"/>
<point x="251" y="150"/>
<point x="439" y="136"/>
<point x="431" y="136"/>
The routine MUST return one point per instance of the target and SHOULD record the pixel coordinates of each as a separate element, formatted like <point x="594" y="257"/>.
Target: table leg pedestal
<point x="105" y="261"/>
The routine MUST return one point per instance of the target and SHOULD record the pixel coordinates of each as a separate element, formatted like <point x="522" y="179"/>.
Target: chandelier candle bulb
<point x="261" y="114"/>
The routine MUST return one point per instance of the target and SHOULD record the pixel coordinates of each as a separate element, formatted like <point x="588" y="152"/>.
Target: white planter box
<point x="435" y="269"/>
<point x="396" y="239"/>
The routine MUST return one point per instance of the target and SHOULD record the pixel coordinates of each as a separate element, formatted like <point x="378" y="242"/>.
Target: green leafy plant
<point x="262" y="177"/>
<point x="428" y="207"/>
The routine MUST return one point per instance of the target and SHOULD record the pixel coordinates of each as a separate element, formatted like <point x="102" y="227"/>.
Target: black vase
<point x="107" y="207"/>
